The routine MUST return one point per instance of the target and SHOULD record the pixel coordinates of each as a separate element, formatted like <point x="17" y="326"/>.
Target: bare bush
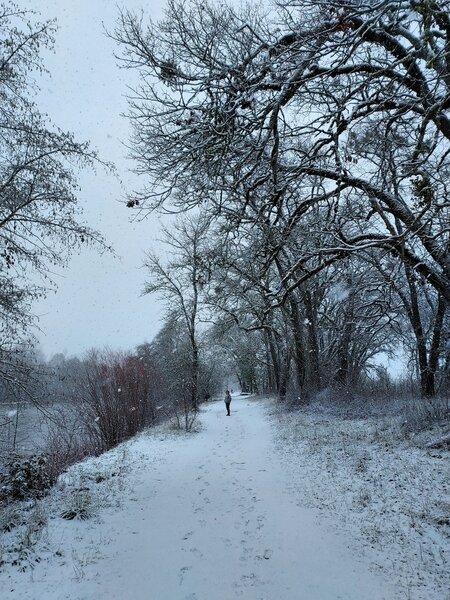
<point x="116" y="398"/>
<point x="68" y="442"/>
<point x="184" y="413"/>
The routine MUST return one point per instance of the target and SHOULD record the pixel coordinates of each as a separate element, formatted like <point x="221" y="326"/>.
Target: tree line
<point x="310" y="141"/>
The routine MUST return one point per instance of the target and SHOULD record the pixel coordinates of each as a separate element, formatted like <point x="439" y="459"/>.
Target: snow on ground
<point x="218" y="514"/>
<point x="392" y="496"/>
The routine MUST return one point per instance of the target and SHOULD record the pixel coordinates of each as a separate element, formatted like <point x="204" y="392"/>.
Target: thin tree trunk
<point x="433" y="361"/>
<point x="426" y="382"/>
<point x="195" y="369"/>
<point x="299" y="347"/>
<point x="284" y="375"/>
<point x="275" y="361"/>
<point x="314" y="378"/>
<point x="343" y="371"/>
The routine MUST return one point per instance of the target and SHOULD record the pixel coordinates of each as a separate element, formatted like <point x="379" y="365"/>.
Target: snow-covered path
<point x="209" y="516"/>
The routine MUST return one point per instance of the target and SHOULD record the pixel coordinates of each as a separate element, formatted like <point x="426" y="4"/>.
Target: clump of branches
<point x="115" y="398"/>
<point x="315" y="137"/>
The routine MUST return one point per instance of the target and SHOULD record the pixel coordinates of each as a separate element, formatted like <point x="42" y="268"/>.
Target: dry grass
<point x="376" y="479"/>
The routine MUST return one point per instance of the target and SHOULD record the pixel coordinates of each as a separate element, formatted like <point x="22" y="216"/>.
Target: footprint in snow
<point x="250" y="579"/>
<point x="182" y="574"/>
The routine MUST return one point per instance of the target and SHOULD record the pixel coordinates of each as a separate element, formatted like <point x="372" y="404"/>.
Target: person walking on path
<point x="228" y="402"/>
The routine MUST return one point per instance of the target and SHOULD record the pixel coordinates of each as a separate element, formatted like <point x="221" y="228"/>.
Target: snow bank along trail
<point x="206" y="516"/>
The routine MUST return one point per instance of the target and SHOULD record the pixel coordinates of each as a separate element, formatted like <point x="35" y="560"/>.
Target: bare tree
<point x="39" y="216"/>
<point x="424" y="313"/>
<point x="230" y="105"/>
<point x="179" y="283"/>
<point x="317" y="136"/>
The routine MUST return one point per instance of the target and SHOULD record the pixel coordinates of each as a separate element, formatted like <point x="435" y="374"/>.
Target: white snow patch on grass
<point x="393" y="496"/>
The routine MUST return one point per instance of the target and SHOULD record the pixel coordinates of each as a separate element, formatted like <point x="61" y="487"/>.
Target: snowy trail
<point x="212" y="518"/>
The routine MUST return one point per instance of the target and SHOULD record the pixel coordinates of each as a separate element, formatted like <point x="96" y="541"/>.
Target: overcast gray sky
<point x="98" y="300"/>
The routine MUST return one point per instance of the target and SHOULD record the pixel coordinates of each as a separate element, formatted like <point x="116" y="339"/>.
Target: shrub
<point x="422" y="414"/>
<point x="115" y="400"/>
<point x="25" y="478"/>
<point x="78" y="505"/>
<point x="67" y="442"/>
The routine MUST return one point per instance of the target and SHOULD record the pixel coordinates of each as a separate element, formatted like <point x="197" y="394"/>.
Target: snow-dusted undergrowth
<point x="265" y="504"/>
<point x="384" y="487"/>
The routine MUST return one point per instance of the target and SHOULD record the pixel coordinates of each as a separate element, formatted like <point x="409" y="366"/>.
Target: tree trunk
<point x="342" y="376"/>
<point x="195" y="369"/>
<point x="429" y="385"/>
<point x="314" y="376"/>
<point x="299" y="347"/>
<point x="274" y="354"/>
<point x="284" y="375"/>
<point x="293" y="321"/>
